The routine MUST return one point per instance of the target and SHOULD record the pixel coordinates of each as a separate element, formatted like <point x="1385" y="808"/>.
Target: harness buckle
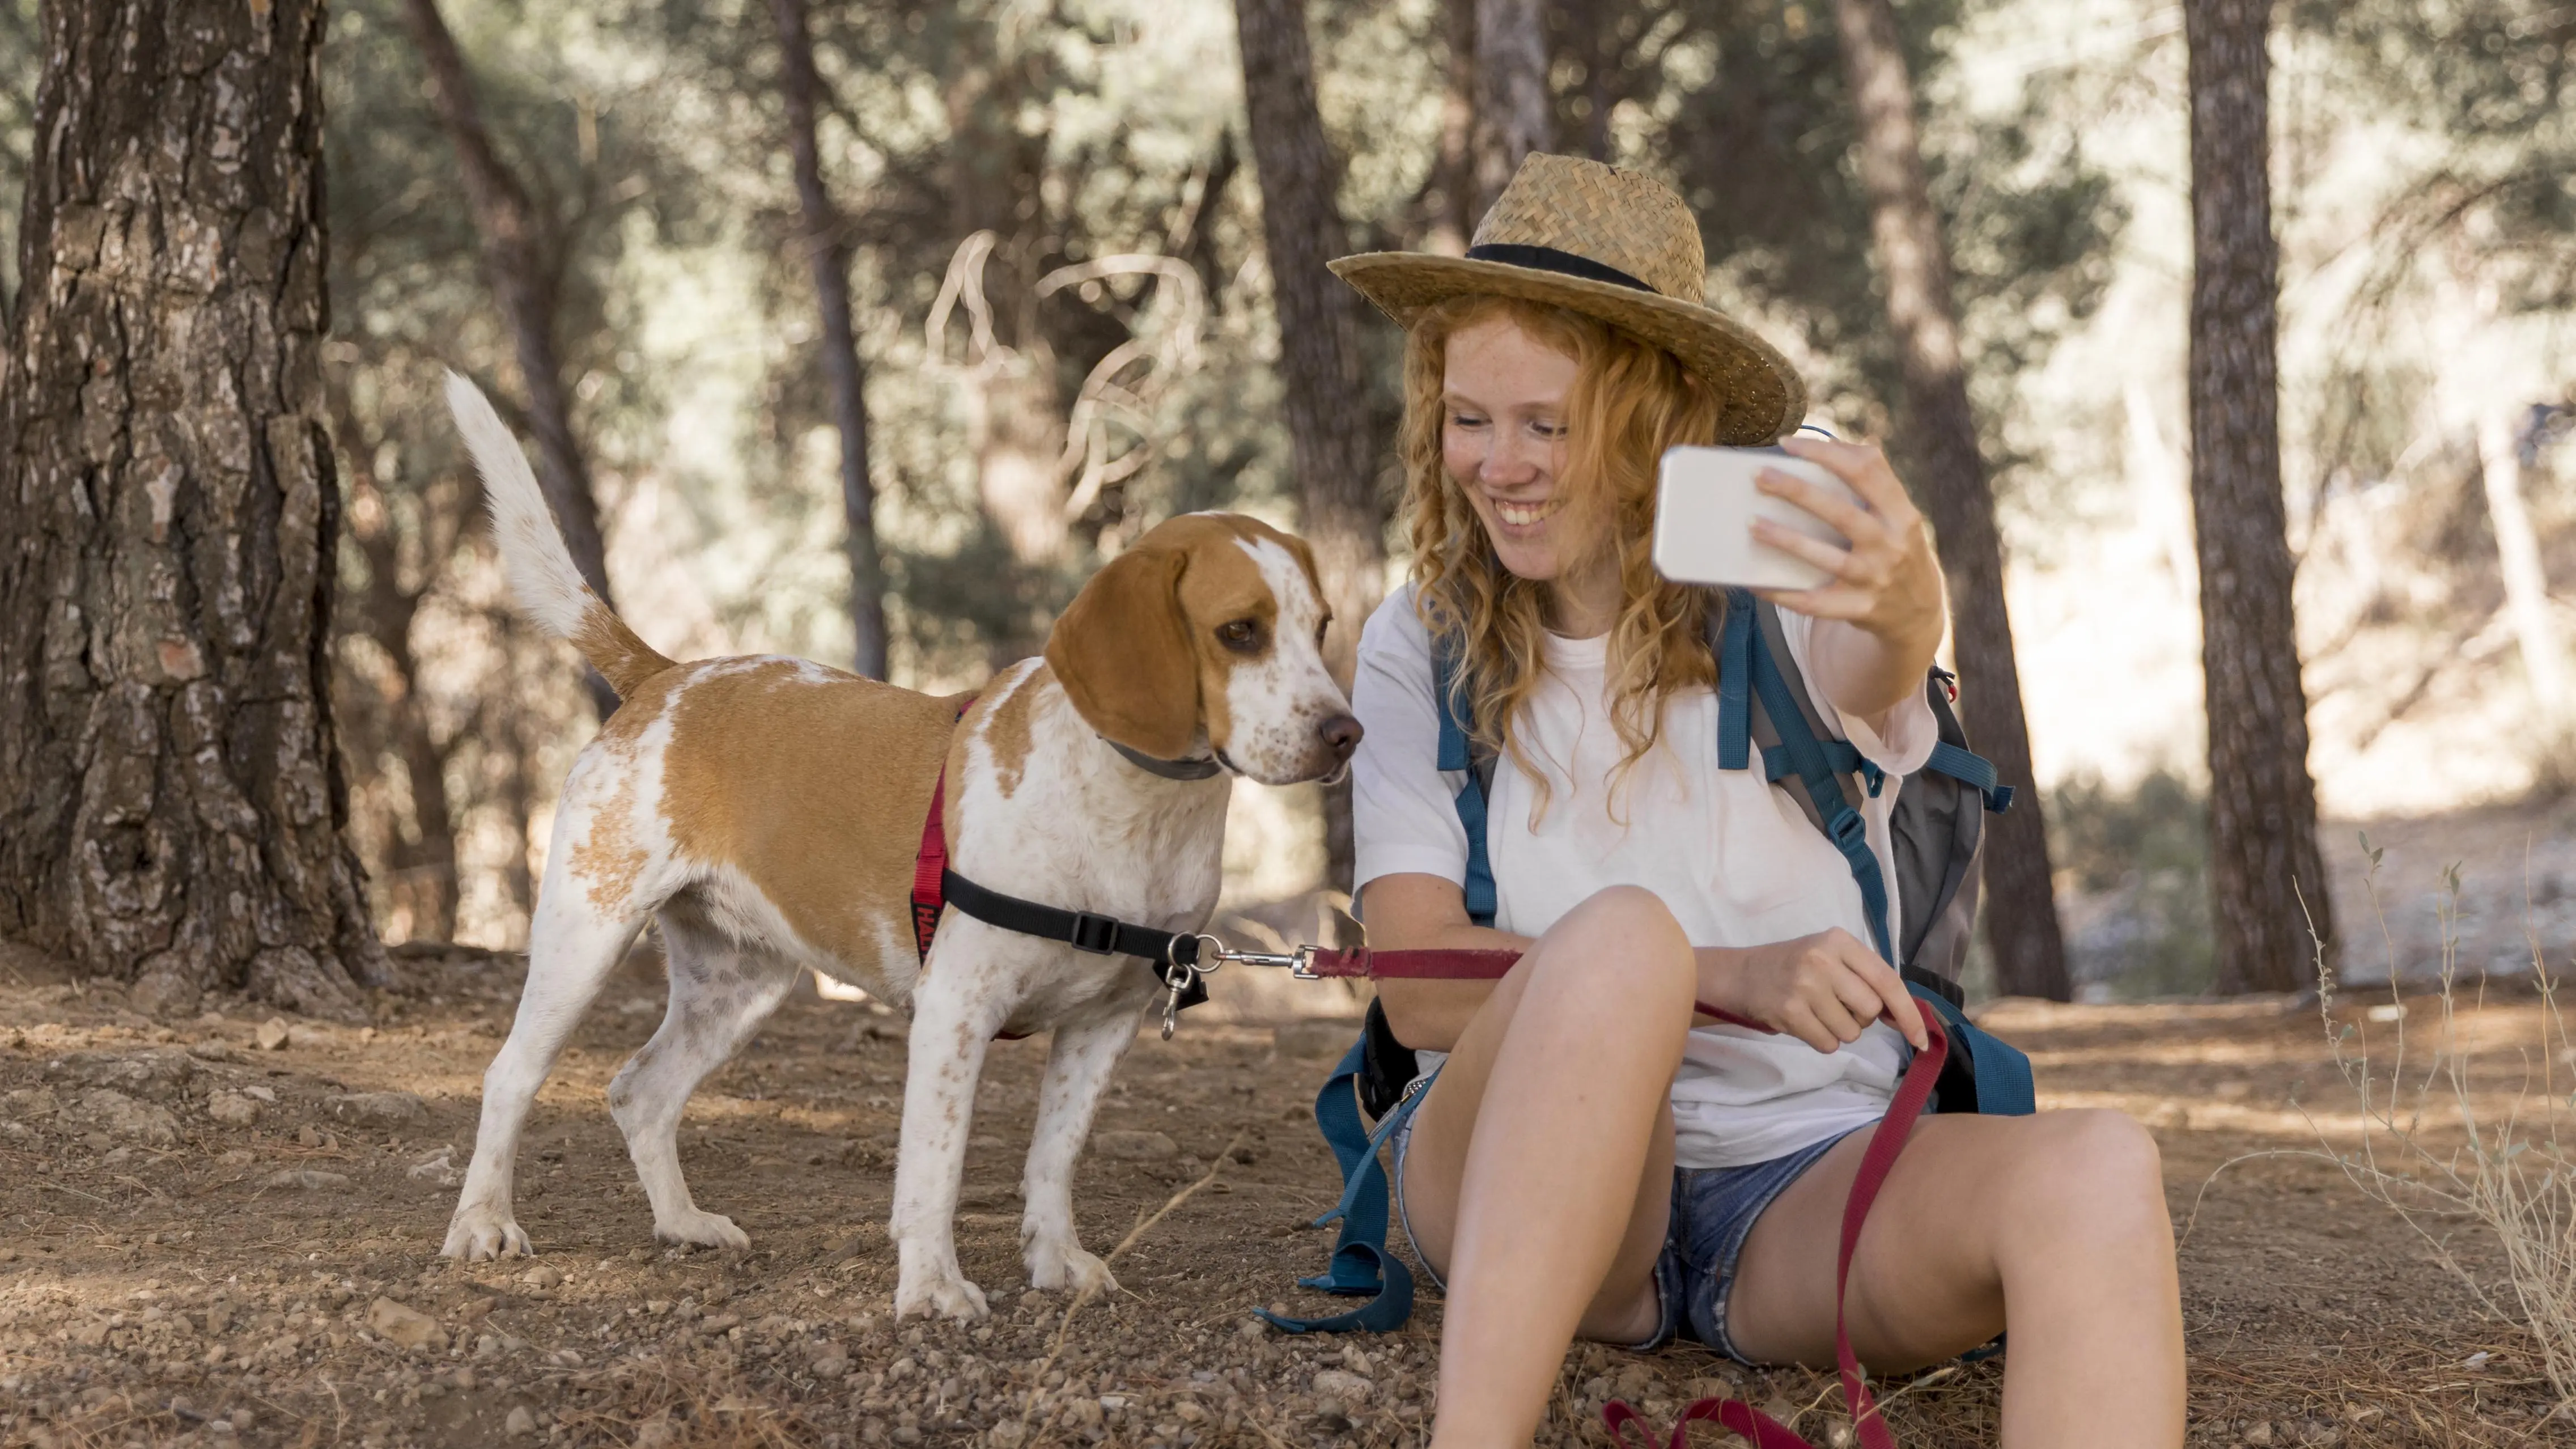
<point x="1095" y="934"/>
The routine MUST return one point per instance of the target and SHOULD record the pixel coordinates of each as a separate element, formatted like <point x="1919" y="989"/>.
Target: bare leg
<point x="1540" y="1168"/>
<point x="1079" y="1062"/>
<point x="721" y="991"/>
<point x="571" y="949"/>
<point x="954" y="1015"/>
<point x="2058" y="1218"/>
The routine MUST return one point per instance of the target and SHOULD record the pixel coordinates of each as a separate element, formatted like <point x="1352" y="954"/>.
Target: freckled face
<point x="1502" y="439"/>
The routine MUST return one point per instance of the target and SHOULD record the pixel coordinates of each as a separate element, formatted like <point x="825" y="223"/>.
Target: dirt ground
<point x="224" y="1232"/>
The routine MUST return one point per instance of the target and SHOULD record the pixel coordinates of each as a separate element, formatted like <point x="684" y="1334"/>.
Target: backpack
<point x="1937" y="827"/>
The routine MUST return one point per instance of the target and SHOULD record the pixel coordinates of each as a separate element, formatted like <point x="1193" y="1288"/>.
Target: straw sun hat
<point x="1609" y="244"/>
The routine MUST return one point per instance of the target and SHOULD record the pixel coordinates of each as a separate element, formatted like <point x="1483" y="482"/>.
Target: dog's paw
<point x="1062" y="1267"/>
<point x="477" y="1233"/>
<point x="702" y="1229"/>
<point x="949" y="1296"/>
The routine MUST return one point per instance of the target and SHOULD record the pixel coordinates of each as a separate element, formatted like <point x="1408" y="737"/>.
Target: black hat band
<point x="1549" y="259"/>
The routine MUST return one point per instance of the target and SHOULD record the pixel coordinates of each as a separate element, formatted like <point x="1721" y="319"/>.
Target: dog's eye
<point x="1240" y="635"/>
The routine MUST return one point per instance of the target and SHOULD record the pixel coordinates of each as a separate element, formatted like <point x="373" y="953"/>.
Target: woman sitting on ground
<point x="1589" y="1159"/>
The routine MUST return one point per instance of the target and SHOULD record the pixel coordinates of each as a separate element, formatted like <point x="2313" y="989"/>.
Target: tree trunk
<point x="1453" y="190"/>
<point x="828" y="250"/>
<point x="171" y="798"/>
<point x="520" y="271"/>
<point x="1319" y="351"/>
<point x="2267" y="884"/>
<point x="1939" y="440"/>
<point x="1512" y="109"/>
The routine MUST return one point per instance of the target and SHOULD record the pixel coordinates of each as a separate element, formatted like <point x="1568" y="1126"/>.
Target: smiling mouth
<point x="1526" y="515"/>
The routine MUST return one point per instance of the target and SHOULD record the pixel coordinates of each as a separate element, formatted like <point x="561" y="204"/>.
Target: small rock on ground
<point x="403" y="1324"/>
<point x="383" y="1107"/>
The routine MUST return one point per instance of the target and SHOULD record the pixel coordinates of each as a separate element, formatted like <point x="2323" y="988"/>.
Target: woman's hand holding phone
<point x="1886" y="580"/>
<point x="1823" y="989"/>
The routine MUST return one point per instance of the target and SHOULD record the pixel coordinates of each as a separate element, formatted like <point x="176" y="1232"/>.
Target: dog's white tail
<point x="541" y="569"/>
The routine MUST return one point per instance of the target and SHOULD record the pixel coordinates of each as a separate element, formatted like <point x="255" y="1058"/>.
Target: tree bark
<point x="828" y="251"/>
<point x="1319" y="352"/>
<point x="1938" y="435"/>
<point x="2267" y="883"/>
<point x="1512" y="108"/>
<point x="519" y="267"/>
<point x="171" y="797"/>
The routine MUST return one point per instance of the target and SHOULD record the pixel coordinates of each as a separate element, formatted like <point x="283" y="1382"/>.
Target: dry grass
<point x="2435" y="1149"/>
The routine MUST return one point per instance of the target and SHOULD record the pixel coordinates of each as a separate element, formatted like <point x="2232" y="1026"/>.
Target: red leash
<point x="1885" y="1141"/>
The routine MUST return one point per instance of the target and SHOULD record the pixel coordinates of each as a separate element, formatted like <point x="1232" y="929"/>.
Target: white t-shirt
<point x="1732" y="856"/>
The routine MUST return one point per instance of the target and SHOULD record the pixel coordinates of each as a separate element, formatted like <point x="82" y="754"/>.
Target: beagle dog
<point x="767" y="811"/>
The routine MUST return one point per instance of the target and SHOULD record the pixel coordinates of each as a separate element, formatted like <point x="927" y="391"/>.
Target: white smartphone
<point x="1705" y="504"/>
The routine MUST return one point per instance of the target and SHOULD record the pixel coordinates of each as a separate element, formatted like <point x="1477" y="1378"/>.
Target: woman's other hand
<point x="1823" y="989"/>
<point x="1887" y="581"/>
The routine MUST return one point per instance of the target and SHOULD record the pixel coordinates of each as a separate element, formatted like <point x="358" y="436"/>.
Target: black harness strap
<point x="1099" y="935"/>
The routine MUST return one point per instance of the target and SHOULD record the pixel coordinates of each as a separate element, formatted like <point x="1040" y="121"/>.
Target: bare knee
<point x="1626" y="921"/>
<point x="2094" y="1174"/>
<point x="1623" y="948"/>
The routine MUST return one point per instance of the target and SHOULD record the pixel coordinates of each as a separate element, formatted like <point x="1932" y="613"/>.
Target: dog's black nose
<point x="1342" y="734"/>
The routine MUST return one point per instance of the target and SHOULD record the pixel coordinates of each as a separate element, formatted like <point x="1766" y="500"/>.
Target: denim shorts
<point x="1713" y="1212"/>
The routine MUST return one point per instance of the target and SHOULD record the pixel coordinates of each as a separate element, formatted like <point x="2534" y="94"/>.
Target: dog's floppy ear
<point x="1123" y="654"/>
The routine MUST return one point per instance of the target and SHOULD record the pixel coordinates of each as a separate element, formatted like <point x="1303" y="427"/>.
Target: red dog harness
<point x="929" y="897"/>
<point x="930" y="863"/>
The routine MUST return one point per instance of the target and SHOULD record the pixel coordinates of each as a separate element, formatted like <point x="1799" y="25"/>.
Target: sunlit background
<point x="1004" y="163"/>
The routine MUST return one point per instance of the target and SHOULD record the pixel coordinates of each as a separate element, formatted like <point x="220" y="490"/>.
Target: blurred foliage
<point x="21" y="63"/>
<point x="1073" y="132"/>
<point x="2498" y="79"/>
<point x="2137" y="862"/>
<point x="1753" y="122"/>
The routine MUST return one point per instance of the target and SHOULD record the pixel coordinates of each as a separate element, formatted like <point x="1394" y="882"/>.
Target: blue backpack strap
<point x="1971" y="770"/>
<point x="1457" y="753"/>
<point x="1842" y="755"/>
<point x="1815" y="770"/>
<point x="1360" y="1265"/>
<point x="1998" y="1071"/>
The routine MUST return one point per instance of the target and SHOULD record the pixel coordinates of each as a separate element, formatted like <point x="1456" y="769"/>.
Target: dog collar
<point x="1168" y="769"/>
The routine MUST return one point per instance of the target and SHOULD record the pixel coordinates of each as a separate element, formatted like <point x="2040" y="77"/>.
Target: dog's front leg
<point x="954" y="1015"/>
<point x="1077" y="1072"/>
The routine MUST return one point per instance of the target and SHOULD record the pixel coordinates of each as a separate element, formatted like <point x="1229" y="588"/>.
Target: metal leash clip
<point x="1299" y="963"/>
<point x="1176" y="979"/>
<point x="1213" y="953"/>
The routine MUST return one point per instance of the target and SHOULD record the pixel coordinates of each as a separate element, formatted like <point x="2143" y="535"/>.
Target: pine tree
<point x="1319" y="352"/>
<point x="2267" y="883"/>
<point x="1937" y="439"/>
<point x="171" y="796"/>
